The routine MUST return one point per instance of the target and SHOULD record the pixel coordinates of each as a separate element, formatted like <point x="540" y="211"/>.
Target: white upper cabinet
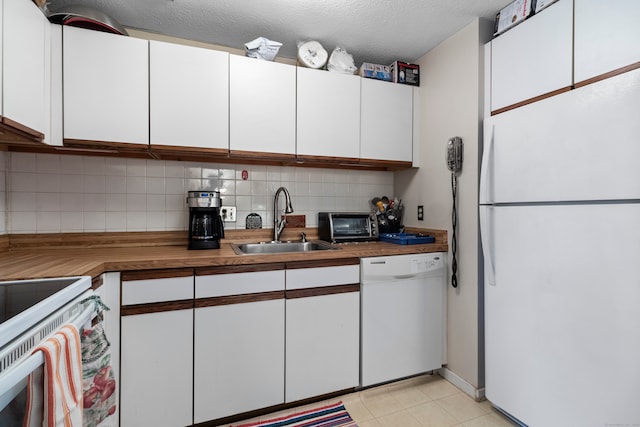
<point x="26" y="67"/>
<point x="106" y="87"/>
<point x="386" y="121"/>
<point x="262" y="114"/>
<point x="189" y="96"/>
<point x="328" y="122"/>
<point x="533" y="58"/>
<point x="606" y="36"/>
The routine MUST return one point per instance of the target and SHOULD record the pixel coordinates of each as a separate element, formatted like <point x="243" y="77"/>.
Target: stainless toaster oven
<point x="339" y="227"/>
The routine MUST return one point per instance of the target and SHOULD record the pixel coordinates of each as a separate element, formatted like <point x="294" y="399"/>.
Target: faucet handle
<point x="303" y="237"/>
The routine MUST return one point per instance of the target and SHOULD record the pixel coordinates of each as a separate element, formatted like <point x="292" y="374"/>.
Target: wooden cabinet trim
<point x="324" y="290"/>
<point x="532" y="100"/>
<point x="96" y="282"/>
<point x="261" y="155"/>
<point x="577" y="85"/>
<point x="156" y="307"/>
<point x="322" y="263"/>
<point x="608" y="75"/>
<point x="326" y="159"/>
<point x="178" y="150"/>
<point x="108" y="146"/>
<point x="234" y="269"/>
<point x="394" y="164"/>
<point x="22" y="130"/>
<point x="239" y="299"/>
<point x="156" y="274"/>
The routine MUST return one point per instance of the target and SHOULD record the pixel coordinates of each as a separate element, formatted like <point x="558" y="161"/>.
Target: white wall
<point x="450" y="102"/>
<point x="48" y="193"/>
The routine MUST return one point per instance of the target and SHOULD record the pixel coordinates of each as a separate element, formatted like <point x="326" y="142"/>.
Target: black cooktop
<point x="16" y="297"/>
<point x="24" y="303"/>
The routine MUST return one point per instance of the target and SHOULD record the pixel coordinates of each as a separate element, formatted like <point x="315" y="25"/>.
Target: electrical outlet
<point x="228" y="213"/>
<point x="420" y="213"/>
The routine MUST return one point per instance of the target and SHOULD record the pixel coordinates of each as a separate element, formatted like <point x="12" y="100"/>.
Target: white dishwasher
<point x="403" y="309"/>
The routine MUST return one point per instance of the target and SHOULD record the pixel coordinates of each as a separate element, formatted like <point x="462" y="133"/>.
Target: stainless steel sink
<point x="281" y="247"/>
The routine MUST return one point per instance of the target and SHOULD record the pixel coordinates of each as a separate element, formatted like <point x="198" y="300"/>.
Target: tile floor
<point x="425" y="401"/>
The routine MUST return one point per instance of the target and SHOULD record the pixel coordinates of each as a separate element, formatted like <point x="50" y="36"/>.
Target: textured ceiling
<point x="378" y="31"/>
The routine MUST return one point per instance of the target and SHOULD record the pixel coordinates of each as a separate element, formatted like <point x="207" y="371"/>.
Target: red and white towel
<point x="57" y="402"/>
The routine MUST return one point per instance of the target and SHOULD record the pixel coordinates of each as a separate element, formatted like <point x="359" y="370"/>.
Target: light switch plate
<point x="228" y="213"/>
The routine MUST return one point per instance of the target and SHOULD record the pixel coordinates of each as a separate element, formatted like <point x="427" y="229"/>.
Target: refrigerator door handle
<point x="486" y="193"/>
<point x="487" y="238"/>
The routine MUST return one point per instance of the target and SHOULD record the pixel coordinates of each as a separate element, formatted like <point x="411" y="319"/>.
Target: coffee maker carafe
<point x="206" y="227"/>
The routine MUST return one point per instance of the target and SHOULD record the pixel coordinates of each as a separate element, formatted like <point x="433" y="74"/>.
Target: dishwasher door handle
<point x="404" y="276"/>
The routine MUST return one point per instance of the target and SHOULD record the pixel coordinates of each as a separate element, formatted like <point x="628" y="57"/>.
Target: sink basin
<point x="280" y="247"/>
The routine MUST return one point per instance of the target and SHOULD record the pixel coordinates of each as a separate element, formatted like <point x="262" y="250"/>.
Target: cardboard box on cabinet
<point x="375" y="71"/>
<point x="405" y="73"/>
<point x="513" y="14"/>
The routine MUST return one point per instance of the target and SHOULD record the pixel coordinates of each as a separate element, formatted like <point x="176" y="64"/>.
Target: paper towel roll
<point x="312" y="55"/>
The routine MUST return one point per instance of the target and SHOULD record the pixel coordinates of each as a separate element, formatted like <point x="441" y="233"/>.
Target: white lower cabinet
<point x="157" y="369"/>
<point x="322" y="330"/>
<point x="235" y="339"/>
<point x="156" y="349"/>
<point x="238" y="342"/>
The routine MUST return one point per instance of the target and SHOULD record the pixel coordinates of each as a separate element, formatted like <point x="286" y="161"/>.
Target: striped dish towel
<point x="326" y="416"/>
<point x="57" y="401"/>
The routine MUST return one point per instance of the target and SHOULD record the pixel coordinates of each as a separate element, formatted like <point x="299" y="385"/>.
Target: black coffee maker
<point x="206" y="227"/>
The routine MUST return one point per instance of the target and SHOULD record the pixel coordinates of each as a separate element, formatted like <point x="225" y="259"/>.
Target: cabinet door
<point x="323" y="344"/>
<point x="26" y="69"/>
<point x="262" y="114"/>
<point x="386" y="121"/>
<point x="328" y="114"/>
<point x="239" y="358"/>
<point x="189" y="96"/>
<point x="606" y="36"/>
<point x="533" y="58"/>
<point x="239" y="342"/>
<point x="106" y="87"/>
<point x="322" y="330"/>
<point x="157" y="369"/>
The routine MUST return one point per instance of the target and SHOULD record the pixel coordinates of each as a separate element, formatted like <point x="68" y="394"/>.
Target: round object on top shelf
<point x="312" y="55"/>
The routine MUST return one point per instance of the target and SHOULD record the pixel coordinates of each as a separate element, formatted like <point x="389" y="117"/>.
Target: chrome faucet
<point x="278" y="225"/>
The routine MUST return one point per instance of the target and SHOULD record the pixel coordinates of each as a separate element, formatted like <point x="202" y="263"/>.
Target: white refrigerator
<point x="560" y="228"/>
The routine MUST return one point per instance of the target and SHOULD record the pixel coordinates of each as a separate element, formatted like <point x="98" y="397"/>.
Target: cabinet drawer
<point x="157" y="290"/>
<point x="219" y="285"/>
<point x="322" y="276"/>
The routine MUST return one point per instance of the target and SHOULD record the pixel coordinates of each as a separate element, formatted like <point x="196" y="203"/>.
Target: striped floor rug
<point x="327" y="416"/>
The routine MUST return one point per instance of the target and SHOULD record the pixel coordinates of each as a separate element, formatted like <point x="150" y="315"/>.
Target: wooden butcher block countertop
<point x="91" y="254"/>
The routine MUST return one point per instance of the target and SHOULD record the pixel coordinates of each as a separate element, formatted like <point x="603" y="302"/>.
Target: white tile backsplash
<point x="47" y="193"/>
